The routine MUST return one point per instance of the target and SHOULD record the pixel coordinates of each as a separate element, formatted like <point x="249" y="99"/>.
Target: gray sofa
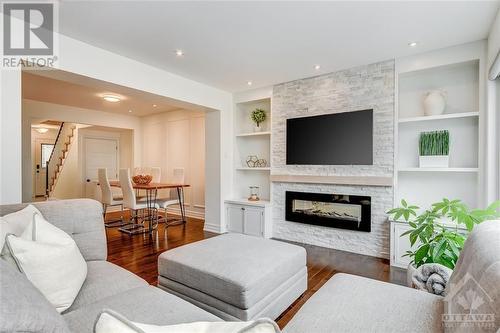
<point x="23" y="308"/>
<point x="349" y="303"/>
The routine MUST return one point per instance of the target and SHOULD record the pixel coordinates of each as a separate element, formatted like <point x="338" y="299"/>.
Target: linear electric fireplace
<point x="330" y="210"/>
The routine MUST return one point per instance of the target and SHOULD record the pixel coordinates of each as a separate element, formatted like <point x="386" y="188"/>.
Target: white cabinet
<point x="399" y="245"/>
<point x="249" y="219"/>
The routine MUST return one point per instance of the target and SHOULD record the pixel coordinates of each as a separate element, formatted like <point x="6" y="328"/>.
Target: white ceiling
<point x="227" y="44"/>
<point x="73" y="90"/>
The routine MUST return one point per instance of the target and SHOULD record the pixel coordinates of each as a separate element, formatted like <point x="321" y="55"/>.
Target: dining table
<point x="151" y="190"/>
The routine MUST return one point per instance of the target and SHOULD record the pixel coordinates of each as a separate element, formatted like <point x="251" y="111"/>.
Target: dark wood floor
<point x="139" y="255"/>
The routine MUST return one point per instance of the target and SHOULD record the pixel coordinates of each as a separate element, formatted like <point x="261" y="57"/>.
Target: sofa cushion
<point x="23" y="308"/>
<point x="238" y="269"/>
<point x="104" y="279"/>
<point x="477" y="273"/>
<point x="349" y="303"/>
<point x="148" y="305"/>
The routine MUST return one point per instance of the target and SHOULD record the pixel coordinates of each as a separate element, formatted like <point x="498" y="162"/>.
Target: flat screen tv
<point x="333" y="139"/>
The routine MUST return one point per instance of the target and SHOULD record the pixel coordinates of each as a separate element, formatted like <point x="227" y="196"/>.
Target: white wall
<point x="493" y="111"/>
<point x="34" y="110"/>
<point x="177" y="139"/>
<point x="10" y="137"/>
<point x="494" y="40"/>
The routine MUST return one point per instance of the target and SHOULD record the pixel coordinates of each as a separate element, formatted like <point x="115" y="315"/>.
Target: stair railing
<point x="56" y="155"/>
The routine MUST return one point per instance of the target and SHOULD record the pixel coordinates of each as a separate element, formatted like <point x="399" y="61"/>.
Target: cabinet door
<point x="254" y="221"/>
<point x="401" y="245"/>
<point x="235" y="218"/>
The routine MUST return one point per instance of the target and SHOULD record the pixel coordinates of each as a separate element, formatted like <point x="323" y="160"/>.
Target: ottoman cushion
<point x="237" y="269"/>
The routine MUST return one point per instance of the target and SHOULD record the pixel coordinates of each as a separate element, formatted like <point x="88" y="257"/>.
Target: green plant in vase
<point x="258" y="116"/>
<point x="434" y="148"/>
<point x="438" y="243"/>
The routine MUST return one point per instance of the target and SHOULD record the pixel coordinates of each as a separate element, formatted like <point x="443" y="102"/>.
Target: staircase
<point x="56" y="161"/>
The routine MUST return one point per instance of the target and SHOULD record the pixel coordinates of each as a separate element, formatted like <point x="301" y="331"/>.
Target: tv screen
<point x="332" y="139"/>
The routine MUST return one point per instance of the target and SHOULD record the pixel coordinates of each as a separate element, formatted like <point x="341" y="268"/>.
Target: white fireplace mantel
<point x="336" y="180"/>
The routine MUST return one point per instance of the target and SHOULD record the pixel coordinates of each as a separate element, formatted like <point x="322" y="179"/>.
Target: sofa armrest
<point x="80" y="218"/>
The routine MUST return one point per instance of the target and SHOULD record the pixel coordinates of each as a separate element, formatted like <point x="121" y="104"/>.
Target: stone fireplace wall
<point x="359" y="88"/>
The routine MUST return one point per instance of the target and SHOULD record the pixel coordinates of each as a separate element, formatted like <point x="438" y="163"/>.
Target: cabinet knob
<point x="242" y="208"/>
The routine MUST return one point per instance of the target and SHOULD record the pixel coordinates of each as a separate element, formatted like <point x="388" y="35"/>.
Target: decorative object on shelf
<point x="258" y="116"/>
<point x="254" y="193"/>
<point x="142" y="179"/>
<point x="434" y="148"/>
<point x="434" y="102"/>
<point x="438" y="243"/>
<point x="253" y="161"/>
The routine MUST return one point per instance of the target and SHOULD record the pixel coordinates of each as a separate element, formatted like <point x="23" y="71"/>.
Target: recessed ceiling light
<point x="130" y="111"/>
<point x="316" y="67"/>
<point x="179" y="53"/>
<point x="412" y="44"/>
<point x="154" y="105"/>
<point x="249" y="83"/>
<point x="41" y="130"/>
<point x="111" y="98"/>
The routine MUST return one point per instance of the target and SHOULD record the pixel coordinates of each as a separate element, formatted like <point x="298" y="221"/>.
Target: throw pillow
<point x="110" y="321"/>
<point x="16" y="222"/>
<point x="51" y="260"/>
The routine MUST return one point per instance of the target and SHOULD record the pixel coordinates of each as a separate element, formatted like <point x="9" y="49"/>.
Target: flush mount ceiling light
<point x="316" y="67"/>
<point x="154" y="105"/>
<point x="412" y="44"/>
<point x="41" y="130"/>
<point x="249" y="83"/>
<point x="111" y="98"/>
<point x="179" y="53"/>
<point x="129" y="111"/>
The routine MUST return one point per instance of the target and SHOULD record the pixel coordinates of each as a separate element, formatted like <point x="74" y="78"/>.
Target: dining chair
<point x="156" y="174"/>
<point x="130" y="200"/>
<point x="108" y="199"/>
<point x="173" y="199"/>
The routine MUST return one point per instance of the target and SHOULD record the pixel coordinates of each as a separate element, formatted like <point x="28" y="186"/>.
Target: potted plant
<point x="437" y="242"/>
<point x="434" y="149"/>
<point x="258" y="116"/>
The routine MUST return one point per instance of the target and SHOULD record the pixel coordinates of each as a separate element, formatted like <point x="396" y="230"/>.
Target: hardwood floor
<point x="139" y="254"/>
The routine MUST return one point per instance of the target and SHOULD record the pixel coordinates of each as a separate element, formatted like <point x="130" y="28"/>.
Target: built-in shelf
<point x="254" y="169"/>
<point x="438" y="169"/>
<point x="253" y="134"/>
<point x="439" y="117"/>
<point x="338" y="180"/>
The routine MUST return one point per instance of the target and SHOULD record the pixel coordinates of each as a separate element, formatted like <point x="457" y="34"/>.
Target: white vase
<point x="435" y="161"/>
<point x="257" y="128"/>
<point x="434" y="102"/>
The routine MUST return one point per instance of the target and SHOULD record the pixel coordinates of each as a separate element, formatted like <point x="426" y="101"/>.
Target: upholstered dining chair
<point x="173" y="199"/>
<point x="156" y="174"/>
<point x="130" y="201"/>
<point x="108" y="199"/>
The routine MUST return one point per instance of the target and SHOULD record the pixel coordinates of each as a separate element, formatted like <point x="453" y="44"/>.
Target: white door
<point x="43" y="149"/>
<point x="235" y="218"/>
<point x="253" y="221"/>
<point x="99" y="153"/>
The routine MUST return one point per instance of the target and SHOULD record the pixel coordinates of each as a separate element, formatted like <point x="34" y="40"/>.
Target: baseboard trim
<point x="212" y="228"/>
<point x="189" y="213"/>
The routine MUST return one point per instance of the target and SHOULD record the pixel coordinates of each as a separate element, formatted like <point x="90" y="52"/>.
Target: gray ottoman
<point x="234" y="276"/>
